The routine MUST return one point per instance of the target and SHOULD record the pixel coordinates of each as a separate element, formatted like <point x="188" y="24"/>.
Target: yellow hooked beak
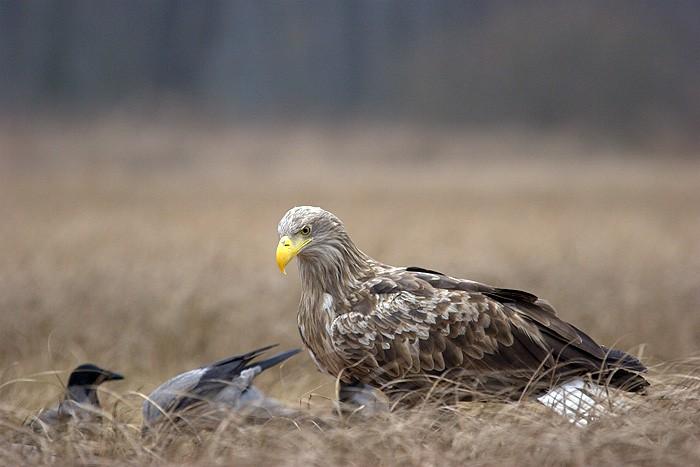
<point x="287" y="249"/>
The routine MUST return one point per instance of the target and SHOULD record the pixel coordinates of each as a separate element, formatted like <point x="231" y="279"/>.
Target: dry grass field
<point x="147" y="248"/>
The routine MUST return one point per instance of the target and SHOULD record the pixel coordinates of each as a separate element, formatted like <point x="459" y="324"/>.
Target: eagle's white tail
<point x="581" y="401"/>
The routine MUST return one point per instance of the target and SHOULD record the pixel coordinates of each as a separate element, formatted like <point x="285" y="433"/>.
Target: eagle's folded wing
<point x="417" y="321"/>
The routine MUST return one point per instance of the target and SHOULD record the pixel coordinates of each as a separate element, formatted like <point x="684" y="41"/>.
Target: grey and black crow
<point x="226" y="384"/>
<point x="80" y="403"/>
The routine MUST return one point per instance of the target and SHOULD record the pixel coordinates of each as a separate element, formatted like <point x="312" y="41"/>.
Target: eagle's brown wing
<point x="415" y="321"/>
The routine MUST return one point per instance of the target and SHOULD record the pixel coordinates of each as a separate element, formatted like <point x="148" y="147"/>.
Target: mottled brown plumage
<point x="369" y="323"/>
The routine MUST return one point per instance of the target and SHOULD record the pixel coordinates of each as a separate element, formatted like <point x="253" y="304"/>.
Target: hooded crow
<point x="79" y="403"/>
<point x="224" y="384"/>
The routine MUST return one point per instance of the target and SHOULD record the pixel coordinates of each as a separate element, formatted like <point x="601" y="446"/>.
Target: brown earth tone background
<point x="146" y="246"/>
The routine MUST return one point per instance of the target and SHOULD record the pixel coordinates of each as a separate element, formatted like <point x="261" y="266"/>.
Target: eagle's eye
<point x="306" y="230"/>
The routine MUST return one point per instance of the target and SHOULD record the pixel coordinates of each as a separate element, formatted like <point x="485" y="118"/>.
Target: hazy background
<point x="149" y="148"/>
<point x="623" y="69"/>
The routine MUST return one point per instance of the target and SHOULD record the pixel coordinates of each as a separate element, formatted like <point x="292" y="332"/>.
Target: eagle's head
<point x="312" y="234"/>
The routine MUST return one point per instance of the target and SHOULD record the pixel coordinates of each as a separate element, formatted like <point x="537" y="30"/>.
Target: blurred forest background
<point x="626" y="70"/>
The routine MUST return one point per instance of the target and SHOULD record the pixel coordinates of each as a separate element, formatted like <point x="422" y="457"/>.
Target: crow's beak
<point x="113" y="376"/>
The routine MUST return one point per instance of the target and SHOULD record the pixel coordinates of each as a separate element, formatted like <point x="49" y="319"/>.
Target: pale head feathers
<point x="322" y="223"/>
<point x="331" y="259"/>
<point x="330" y="248"/>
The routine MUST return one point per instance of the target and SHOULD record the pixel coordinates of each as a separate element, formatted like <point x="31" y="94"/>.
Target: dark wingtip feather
<point x="275" y="359"/>
<point x="427" y="271"/>
<point x="260" y="351"/>
<point x="624" y="360"/>
<point x="626" y="370"/>
<point x="246" y="357"/>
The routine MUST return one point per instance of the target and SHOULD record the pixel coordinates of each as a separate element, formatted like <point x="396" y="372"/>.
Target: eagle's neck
<point x="329" y="279"/>
<point x="338" y="270"/>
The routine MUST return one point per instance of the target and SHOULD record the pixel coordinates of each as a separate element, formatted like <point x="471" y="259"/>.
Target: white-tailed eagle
<point x="369" y="323"/>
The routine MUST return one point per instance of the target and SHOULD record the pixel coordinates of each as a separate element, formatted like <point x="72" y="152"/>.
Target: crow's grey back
<point x="165" y="396"/>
